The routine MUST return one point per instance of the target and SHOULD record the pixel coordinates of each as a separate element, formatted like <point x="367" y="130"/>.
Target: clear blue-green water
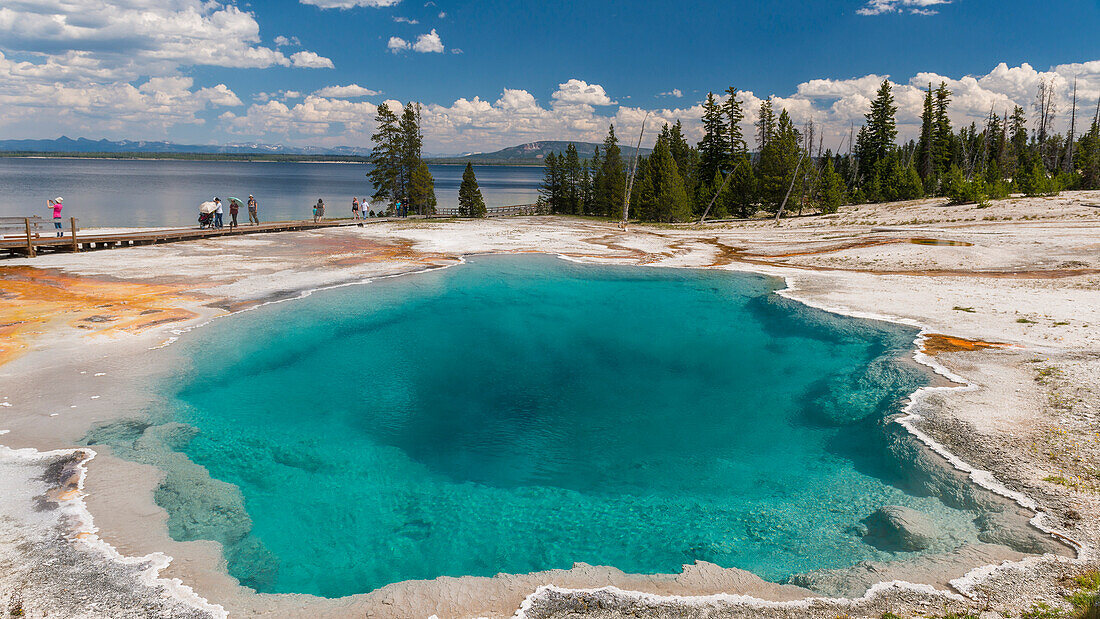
<point x="522" y="413"/>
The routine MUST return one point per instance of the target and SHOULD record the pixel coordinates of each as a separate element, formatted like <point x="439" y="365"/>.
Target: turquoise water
<point x="521" y="413"/>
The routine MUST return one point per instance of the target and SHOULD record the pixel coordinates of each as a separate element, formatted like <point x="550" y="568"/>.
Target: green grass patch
<point x="1042" y="610"/>
<point x="1025" y="321"/>
<point x="963" y="309"/>
<point x="1088" y="580"/>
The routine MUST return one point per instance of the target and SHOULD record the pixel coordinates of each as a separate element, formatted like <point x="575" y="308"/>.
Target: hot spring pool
<point x="522" y="413"/>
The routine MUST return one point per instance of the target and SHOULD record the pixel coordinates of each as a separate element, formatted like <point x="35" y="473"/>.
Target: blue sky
<point x="495" y="73"/>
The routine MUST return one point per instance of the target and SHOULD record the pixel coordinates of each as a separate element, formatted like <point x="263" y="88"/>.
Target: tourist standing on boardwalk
<point x="355" y="208"/>
<point x="234" y="208"/>
<point x="54" y="204"/>
<point x="253" y="216"/>
<point x="218" y="213"/>
<point x="319" y="211"/>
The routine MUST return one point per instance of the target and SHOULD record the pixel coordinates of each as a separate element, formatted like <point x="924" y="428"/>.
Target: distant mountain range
<point x="65" y="144"/>
<point x="532" y="153"/>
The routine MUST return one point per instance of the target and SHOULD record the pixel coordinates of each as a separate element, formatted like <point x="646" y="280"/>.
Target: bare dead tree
<point x="1046" y="108"/>
<point x="794" y="177"/>
<point x="633" y="171"/>
<point x="716" y="194"/>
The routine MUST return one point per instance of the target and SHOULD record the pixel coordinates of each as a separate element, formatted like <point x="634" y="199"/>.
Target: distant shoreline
<point x="244" y="158"/>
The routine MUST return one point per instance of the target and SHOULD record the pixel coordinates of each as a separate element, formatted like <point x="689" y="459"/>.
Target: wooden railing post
<point x="30" y="239"/>
<point x="72" y="228"/>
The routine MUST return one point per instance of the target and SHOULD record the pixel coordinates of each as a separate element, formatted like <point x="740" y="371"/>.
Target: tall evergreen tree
<point x="550" y="191"/>
<point x="943" y="139"/>
<point x="609" y="193"/>
<point x="778" y="163"/>
<point x="996" y="143"/>
<point x="470" y="201"/>
<point x="422" y="190"/>
<point x="411" y="143"/>
<point x="832" y="188"/>
<point x="662" y="196"/>
<point x="386" y="157"/>
<point x="741" y="189"/>
<point x="591" y="205"/>
<point x="881" y="126"/>
<point x="765" y="124"/>
<point x="686" y="158"/>
<point x="1020" y="159"/>
<point x="926" y="163"/>
<point x="571" y="180"/>
<point x="734" y="117"/>
<point x="714" y="148"/>
<point x="585" y="188"/>
<point x="1088" y="157"/>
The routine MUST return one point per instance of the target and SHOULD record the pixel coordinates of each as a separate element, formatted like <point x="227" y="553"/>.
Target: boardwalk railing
<point x="498" y="211"/>
<point x="29" y="236"/>
<point x="31" y="243"/>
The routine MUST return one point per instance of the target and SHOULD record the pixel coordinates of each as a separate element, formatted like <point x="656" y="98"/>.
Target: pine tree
<point x="1021" y="155"/>
<point x="863" y="152"/>
<point x="664" y="197"/>
<point x="997" y="147"/>
<point x="926" y="164"/>
<point x="765" y="125"/>
<point x="422" y="190"/>
<point x="591" y="204"/>
<point x="778" y="161"/>
<point x="943" y="139"/>
<point x="1088" y="157"/>
<point x="742" y="189"/>
<point x="470" y="201"/>
<point x="385" y="157"/>
<point x="832" y="188"/>
<point x="612" y="188"/>
<point x="411" y="142"/>
<point x="715" y="147"/>
<point x="706" y="191"/>
<point x="734" y="117"/>
<point x="686" y="158"/>
<point x="881" y="126"/>
<point x="571" y="180"/>
<point x="550" y="190"/>
<point x="585" y="189"/>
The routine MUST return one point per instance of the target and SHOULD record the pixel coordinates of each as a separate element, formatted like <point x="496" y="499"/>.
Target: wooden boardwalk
<point x="38" y="238"/>
<point x="74" y="241"/>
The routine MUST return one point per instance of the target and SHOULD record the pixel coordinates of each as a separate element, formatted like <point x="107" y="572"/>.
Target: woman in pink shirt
<point x="55" y="204"/>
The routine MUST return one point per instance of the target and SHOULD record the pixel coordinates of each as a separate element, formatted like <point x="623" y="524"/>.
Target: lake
<point x="145" y="192"/>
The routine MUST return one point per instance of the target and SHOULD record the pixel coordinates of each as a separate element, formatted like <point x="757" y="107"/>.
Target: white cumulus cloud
<point x="93" y="66"/>
<point x="915" y="7"/>
<point x="578" y="91"/>
<point x="428" y="43"/>
<point x="310" y="60"/>
<point x="315" y="116"/>
<point x="351" y="91"/>
<point x="397" y="44"/>
<point x="350" y="4"/>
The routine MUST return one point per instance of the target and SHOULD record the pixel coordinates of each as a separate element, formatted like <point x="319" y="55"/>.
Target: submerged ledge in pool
<point x="522" y="413"/>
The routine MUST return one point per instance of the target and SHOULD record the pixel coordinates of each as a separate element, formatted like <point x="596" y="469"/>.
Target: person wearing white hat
<point x="55" y="205"/>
